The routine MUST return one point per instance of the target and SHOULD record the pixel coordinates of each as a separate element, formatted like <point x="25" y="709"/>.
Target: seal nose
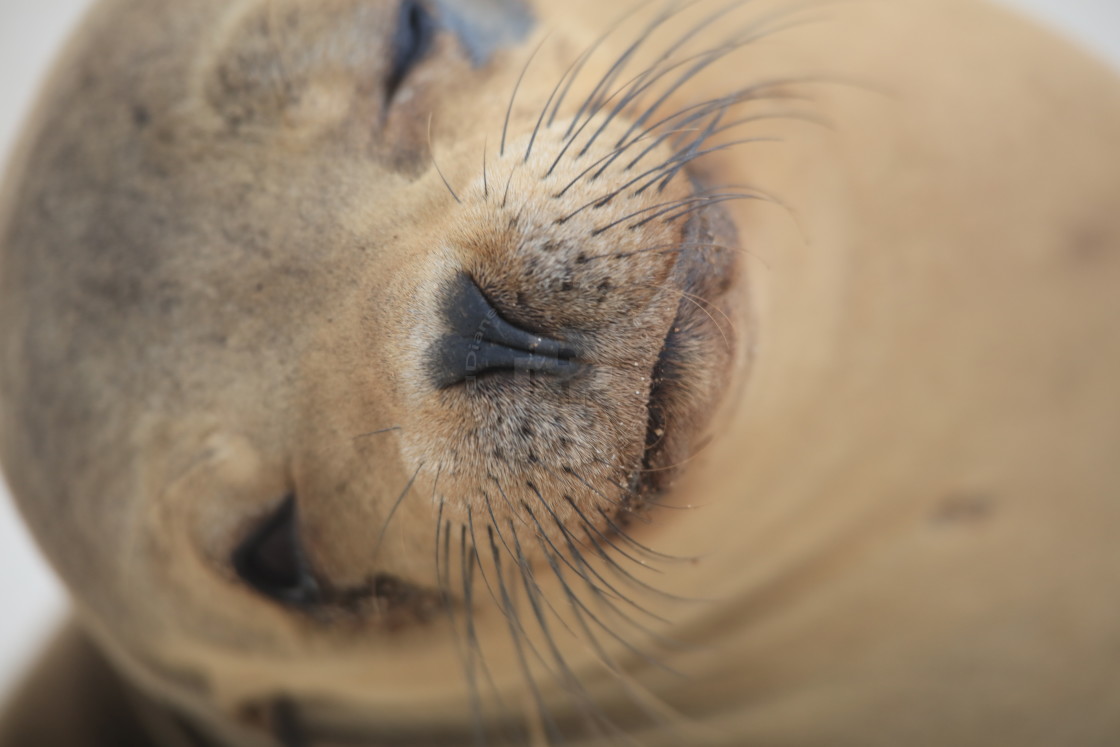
<point x="481" y="342"/>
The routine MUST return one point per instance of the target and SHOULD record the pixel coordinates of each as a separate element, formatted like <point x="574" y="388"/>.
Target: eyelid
<point x="412" y="39"/>
<point x="271" y="558"/>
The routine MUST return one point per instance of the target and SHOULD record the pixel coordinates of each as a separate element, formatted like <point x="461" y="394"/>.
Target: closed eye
<point x="271" y="560"/>
<point x="412" y="40"/>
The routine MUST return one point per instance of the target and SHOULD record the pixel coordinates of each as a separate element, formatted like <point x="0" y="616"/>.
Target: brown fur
<point x="222" y="249"/>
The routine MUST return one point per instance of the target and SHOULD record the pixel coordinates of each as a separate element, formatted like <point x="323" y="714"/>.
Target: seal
<point x="476" y="371"/>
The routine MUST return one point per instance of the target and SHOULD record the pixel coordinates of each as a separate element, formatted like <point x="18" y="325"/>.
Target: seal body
<point x="383" y="372"/>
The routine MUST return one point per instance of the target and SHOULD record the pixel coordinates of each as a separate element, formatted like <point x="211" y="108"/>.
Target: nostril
<point x="271" y="559"/>
<point x="480" y="342"/>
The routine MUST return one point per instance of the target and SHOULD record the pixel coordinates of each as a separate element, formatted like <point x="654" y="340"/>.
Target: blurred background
<point x="31" y="600"/>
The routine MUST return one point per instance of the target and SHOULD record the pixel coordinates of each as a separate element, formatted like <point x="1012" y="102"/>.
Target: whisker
<point x="575" y="554"/>
<point x="473" y="649"/>
<point x="590" y="526"/>
<point x="533" y="592"/>
<point x="604" y="599"/>
<point x="474" y="560"/>
<point x="621" y="532"/>
<point x="686" y="207"/>
<point x="622" y="505"/>
<point x="608" y="158"/>
<point x="543" y="534"/>
<point x="658" y="210"/>
<point x="581" y="61"/>
<point x="513" y="96"/>
<point x="718" y="53"/>
<point x="485" y="174"/>
<point x="509" y="550"/>
<point x="580" y="610"/>
<point x="690" y="157"/>
<point x="543" y="713"/>
<point x="703" y="305"/>
<point x="655" y="74"/>
<point x="393" y="510"/>
<point x="435" y="163"/>
<point x="620" y="62"/>
<point x="689" y="210"/>
<point x="377" y="433"/>
<point x="573" y="68"/>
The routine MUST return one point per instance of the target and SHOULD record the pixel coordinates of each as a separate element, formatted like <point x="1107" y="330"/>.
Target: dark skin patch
<point x="964" y="508"/>
<point x="1089" y="244"/>
<point x="141" y="117"/>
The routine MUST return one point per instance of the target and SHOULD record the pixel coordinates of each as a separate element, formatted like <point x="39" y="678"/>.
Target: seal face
<point x="349" y="344"/>
<point x="488" y="295"/>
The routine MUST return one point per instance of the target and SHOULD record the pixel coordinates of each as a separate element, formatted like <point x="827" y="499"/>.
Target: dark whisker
<point x="611" y="562"/>
<point x="544" y="535"/>
<point x="621" y="532"/>
<point x="580" y="609"/>
<point x="534" y="593"/>
<point x="659" y="209"/>
<point x="439" y="528"/>
<point x="759" y="31"/>
<point x="618" y="65"/>
<point x="505" y="194"/>
<point x="435" y="163"/>
<point x="509" y="550"/>
<point x="574" y="554"/>
<point x="590" y="526"/>
<point x="393" y="510"/>
<point x="473" y="649"/>
<point x="571" y="140"/>
<point x="495" y="528"/>
<point x="662" y="249"/>
<point x="572" y="70"/>
<point x="686" y="159"/>
<point x="687" y="211"/>
<point x="622" y="505"/>
<point x="725" y="128"/>
<point x="485" y="173"/>
<point x="604" y="599"/>
<point x="475" y="560"/>
<point x="608" y="158"/>
<point x="652" y="70"/>
<point x="587" y="54"/>
<point x="685" y="207"/>
<point x="513" y="96"/>
<point x="377" y="433"/>
<point x="516" y="634"/>
<point x="717" y="54"/>
<point x="629" y="577"/>
<point x="474" y="543"/>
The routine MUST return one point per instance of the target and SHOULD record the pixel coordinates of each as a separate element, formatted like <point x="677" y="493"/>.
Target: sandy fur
<point x="905" y="524"/>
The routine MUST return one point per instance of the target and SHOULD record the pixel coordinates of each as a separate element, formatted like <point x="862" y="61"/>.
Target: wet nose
<point x="480" y="342"/>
